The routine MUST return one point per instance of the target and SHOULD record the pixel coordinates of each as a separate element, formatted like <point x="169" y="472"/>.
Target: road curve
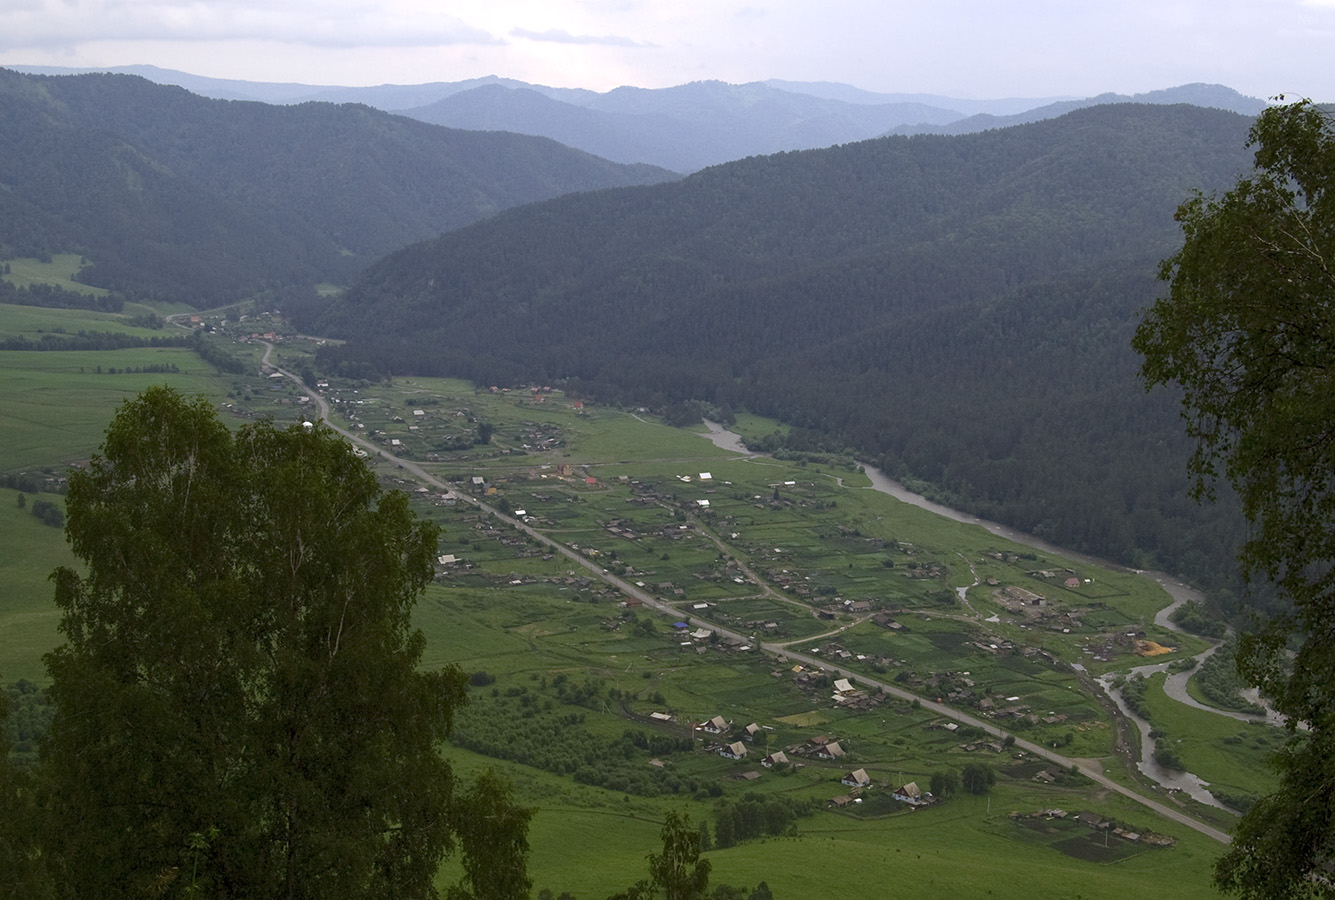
<point x="778" y="650"/>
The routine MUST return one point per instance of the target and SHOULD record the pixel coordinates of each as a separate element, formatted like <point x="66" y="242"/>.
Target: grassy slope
<point x="27" y="616"/>
<point x="54" y="410"/>
<point x="60" y="271"/>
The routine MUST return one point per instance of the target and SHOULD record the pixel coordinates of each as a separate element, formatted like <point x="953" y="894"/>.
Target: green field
<point x="28" y="617"/>
<point x="60" y="272"/>
<point x="790" y="553"/>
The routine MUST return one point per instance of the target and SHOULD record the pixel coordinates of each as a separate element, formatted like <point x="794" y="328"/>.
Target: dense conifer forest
<point x="957" y="310"/>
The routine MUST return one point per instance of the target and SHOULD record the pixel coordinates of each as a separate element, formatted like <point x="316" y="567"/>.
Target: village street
<point x="1090" y="769"/>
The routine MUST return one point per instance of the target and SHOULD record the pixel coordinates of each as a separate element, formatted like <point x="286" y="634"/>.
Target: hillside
<point x="174" y="196"/>
<point x="957" y="309"/>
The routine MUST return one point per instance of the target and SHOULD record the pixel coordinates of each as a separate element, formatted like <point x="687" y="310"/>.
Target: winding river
<point x="1176" y="684"/>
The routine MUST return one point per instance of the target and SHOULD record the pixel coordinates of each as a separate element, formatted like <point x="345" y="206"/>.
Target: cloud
<point x="560" y="36"/>
<point x="333" y="23"/>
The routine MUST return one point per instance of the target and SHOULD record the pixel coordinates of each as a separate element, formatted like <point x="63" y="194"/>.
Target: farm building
<point x="858" y="778"/>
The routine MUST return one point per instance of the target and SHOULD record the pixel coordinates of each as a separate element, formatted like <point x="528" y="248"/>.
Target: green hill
<point x="956" y="309"/>
<point x="172" y="196"/>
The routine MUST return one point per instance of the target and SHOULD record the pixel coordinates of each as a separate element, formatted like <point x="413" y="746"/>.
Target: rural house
<point x="735" y="750"/>
<point x="858" y="778"/>
<point x="831" y="750"/>
<point x="716" y="725"/>
<point x="911" y="794"/>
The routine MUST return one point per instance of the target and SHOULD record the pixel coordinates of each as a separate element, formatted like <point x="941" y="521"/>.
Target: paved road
<point x="1087" y="768"/>
<point x="1090" y="770"/>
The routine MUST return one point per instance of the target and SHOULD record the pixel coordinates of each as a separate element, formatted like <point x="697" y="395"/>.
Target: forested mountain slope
<point x="955" y="308"/>
<point x="170" y="194"/>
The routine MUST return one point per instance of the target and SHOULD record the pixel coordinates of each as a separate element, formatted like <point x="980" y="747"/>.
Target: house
<point x="1093" y="820"/>
<point x="841" y="801"/>
<point x="910" y="794"/>
<point x="735" y="750"/>
<point x="832" y="750"/>
<point x="844" y="686"/>
<point x="752" y="730"/>
<point x="858" y="778"/>
<point x="777" y="758"/>
<point x="716" y="725"/>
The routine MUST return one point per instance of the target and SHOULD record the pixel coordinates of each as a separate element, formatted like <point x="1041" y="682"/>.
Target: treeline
<point x="955" y="310"/>
<point x="1194" y="617"/>
<point x="94" y="340"/>
<point x="1219" y="681"/>
<point x="151" y="369"/>
<point x="218" y="357"/>
<point x="54" y="296"/>
<point x="33" y="483"/>
<point x="1165" y="754"/>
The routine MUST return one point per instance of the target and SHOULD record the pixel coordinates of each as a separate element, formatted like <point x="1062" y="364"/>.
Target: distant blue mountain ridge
<point x="682" y="128"/>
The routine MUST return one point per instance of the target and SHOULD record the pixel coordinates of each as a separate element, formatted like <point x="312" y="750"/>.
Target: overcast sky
<point x="963" y="48"/>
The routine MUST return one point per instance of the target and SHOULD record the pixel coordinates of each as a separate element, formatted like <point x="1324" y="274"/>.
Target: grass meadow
<point x="1227" y="754"/>
<point x="28" y="616"/>
<point x="59" y="272"/>
<point x="782" y="550"/>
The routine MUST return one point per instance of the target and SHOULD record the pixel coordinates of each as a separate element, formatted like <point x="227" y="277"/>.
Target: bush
<point x="49" y="513"/>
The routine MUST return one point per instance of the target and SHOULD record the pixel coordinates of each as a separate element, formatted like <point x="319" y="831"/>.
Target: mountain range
<point x="686" y="127"/>
<point x="956" y="308"/>
<point x="176" y="196"/>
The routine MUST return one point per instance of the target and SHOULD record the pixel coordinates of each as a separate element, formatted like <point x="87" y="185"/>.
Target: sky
<point x="980" y="49"/>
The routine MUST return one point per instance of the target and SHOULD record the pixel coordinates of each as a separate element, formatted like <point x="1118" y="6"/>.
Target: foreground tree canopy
<point x="240" y="710"/>
<point x="1248" y="332"/>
